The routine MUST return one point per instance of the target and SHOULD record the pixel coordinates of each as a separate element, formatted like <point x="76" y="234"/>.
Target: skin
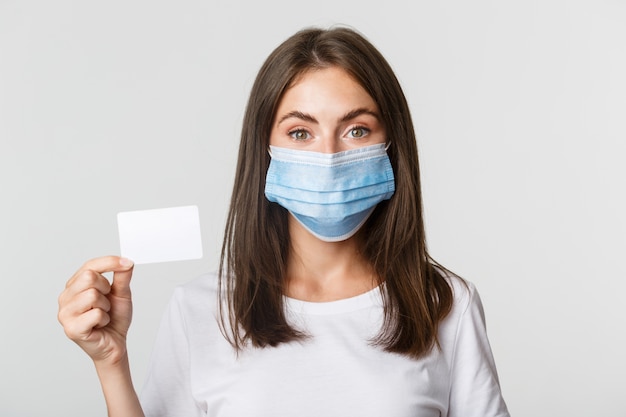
<point x="325" y="110"/>
<point x="96" y="315"/>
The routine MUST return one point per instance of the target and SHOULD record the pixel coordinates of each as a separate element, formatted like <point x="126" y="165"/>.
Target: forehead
<point x="325" y="86"/>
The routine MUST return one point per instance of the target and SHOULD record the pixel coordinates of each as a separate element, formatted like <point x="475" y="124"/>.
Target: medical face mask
<point x="331" y="195"/>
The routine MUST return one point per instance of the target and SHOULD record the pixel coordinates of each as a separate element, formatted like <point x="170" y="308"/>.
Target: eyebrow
<point x="346" y="117"/>
<point x="298" y="115"/>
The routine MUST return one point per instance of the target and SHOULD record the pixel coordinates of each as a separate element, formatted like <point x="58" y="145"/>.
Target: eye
<point x="358" y="132"/>
<point x="299" y="134"/>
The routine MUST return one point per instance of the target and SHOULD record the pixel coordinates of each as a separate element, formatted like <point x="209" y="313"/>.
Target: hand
<point x="96" y="314"/>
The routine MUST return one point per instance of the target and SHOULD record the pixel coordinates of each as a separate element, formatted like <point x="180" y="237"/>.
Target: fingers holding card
<point x="160" y="235"/>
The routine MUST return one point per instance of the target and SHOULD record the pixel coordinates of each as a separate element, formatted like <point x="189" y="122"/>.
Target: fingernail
<point x="125" y="262"/>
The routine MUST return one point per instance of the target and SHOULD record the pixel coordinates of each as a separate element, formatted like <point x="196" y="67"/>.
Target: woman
<point x="327" y="302"/>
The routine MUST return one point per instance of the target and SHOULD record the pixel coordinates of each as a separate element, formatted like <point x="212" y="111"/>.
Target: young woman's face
<point x="327" y="111"/>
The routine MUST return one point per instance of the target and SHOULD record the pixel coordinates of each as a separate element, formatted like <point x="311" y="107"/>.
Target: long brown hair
<point x="256" y="239"/>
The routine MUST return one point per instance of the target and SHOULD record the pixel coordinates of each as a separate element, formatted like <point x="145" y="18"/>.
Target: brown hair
<point x="256" y="240"/>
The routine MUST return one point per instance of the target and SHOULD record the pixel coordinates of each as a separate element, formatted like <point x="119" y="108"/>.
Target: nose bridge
<point x="330" y="143"/>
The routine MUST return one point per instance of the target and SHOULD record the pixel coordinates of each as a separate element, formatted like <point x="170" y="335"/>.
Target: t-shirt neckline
<point x="367" y="299"/>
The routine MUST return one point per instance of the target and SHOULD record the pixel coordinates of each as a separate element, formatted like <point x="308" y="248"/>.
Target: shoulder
<point x="205" y="284"/>
<point x="466" y="311"/>
<point x="198" y="296"/>
<point x="464" y="292"/>
<point x="475" y="388"/>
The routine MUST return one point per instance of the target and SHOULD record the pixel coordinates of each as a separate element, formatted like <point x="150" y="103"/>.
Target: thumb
<point x="121" y="279"/>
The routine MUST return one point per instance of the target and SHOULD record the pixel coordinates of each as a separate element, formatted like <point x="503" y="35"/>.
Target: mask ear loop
<point x="386" y="146"/>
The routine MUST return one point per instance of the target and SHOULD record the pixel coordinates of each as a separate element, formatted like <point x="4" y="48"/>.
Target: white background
<point x="520" y="112"/>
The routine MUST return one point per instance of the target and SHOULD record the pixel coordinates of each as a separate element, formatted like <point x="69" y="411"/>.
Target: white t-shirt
<point x="336" y="372"/>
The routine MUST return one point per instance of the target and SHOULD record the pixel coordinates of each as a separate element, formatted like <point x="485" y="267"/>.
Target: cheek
<point x="274" y="139"/>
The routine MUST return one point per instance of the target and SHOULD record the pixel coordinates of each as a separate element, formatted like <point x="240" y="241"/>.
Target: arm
<point x="475" y="389"/>
<point x="119" y="392"/>
<point x="168" y="389"/>
<point x="96" y="315"/>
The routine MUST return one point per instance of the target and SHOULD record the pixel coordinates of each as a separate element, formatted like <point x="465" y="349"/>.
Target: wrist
<point x="118" y="365"/>
<point x="111" y="358"/>
<point x="117" y="386"/>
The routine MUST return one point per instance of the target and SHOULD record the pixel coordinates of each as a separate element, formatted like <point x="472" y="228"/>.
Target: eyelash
<point x="365" y="130"/>
<point x="295" y="132"/>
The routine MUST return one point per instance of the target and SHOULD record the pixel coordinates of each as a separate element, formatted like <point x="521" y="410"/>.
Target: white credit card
<point x="160" y="235"/>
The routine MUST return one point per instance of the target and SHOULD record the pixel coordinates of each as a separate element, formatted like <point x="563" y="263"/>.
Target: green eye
<point x="358" y="132"/>
<point x="299" y="134"/>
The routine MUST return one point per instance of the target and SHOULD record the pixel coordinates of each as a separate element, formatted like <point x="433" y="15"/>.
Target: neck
<point x="325" y="271"/>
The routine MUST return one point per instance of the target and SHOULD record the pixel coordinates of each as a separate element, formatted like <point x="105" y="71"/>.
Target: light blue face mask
<point x="331" y="195"/>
